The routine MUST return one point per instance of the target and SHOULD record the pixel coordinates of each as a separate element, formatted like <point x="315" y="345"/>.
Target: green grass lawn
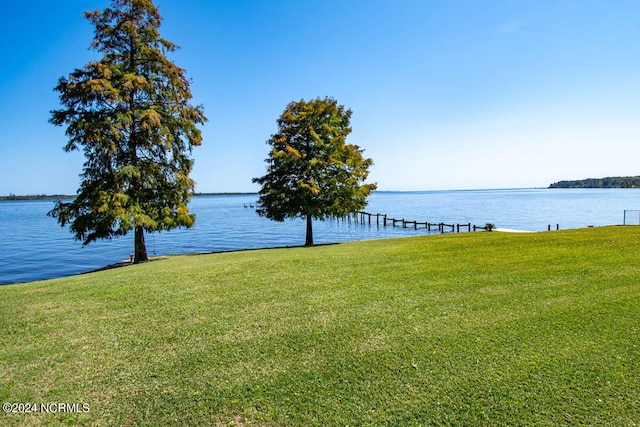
<point x="468" y="329"/>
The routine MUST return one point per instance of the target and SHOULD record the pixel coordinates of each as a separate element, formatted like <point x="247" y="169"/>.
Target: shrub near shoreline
<point x="469" y="329"/>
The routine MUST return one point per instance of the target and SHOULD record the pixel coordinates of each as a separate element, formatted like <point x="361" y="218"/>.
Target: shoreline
<point x="37" y="248"/>
<point x="511" y="230"/>
<point x="128" y="262"/>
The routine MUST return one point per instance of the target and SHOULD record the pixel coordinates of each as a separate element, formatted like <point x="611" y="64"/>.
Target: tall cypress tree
<point x="130" y="113"/>
<point x="312" y="172"/>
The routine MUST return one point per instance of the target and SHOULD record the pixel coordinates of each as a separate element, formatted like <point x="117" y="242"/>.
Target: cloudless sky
<point x="445" y="94"/>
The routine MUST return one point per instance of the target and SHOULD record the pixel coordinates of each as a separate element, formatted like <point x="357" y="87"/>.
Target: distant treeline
<point x="66" y="197"/>
<point x="36" y="197"/>
<point x="610" y="182"/>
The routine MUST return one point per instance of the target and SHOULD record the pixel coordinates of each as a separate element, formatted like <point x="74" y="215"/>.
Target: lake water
<point x="34" y="247"/>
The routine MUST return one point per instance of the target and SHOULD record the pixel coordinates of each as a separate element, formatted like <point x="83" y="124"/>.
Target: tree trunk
<point x="140" y="248"/>
<point x="309" y="239"/>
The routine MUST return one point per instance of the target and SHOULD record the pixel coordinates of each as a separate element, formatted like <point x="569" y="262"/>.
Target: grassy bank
<point x="469" y="329"/>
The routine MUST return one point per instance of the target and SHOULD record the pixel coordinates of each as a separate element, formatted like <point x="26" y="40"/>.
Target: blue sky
<point x="446" y="94"/>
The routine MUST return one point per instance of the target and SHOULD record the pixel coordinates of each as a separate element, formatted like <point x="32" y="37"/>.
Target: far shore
<point x="13" y="197"/>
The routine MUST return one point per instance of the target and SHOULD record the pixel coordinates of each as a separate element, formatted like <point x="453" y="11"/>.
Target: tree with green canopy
<point x="312" y="172"/>
<point x="130" y="113"/>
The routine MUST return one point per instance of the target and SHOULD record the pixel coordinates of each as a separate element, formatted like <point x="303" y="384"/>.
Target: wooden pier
<point x="384" y="220"/>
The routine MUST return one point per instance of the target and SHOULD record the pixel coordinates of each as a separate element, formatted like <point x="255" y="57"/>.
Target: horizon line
<point x="15" y="197"/>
